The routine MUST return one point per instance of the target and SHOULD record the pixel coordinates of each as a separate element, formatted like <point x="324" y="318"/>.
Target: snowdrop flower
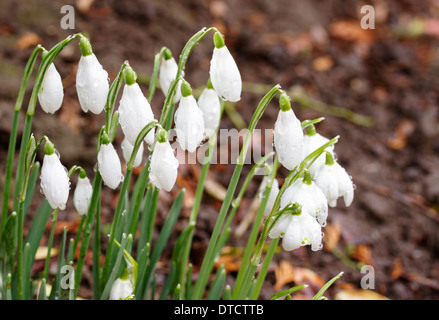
<point x="309" y="196"/>
<point x="189" y="123"/>
<point x="298" y="229"/>
<point x="164" y="165"/>
<point x="91" y="80"/>
<point x="311" y="142"/>
<point x="224" y="72"/>
<point x="134" y="110"/>
<point x="82" y="194"/>
<point x="271" y="197"/>
<point x="51" y="93"/>
<point x="210" y="106"/>
<point x="109" y="164"/>
<point x="122" y="288"/>
<point x="54" y="179"/>
<point x="335" y="182"/>
<point x="167" y="73"/>
<point x="288" y="135"/>
<point x="127" y="150"/>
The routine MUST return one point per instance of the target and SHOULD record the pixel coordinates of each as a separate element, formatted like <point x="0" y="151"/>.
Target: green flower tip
<point x="218" y="40"/>
<point x="307" y="178"/>
<point x="104" y="138"/>
<point x="329" y="159"/>
<point x="82" y="174"/>
<point x="284" y="102"/>
<point x="162" y="135"/>
<point x="125" y="275"/>
<point x="49" y="148"/>
<point x="85" y="46"/>
<point x="130" y="76"/>
<point x="311" y="130"/>
<point x="167" y="54"/>
<point x="186" y="89"/>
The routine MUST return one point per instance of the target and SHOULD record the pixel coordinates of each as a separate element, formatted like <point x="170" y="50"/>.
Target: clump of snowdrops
<point x="293" y="213"/>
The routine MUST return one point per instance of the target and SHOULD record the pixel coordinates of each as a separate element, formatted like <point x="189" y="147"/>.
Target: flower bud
<point x="335" y="182"/>
<point x="127" y="149"/>
<point x="135" y="113"/>
<point x="309" y="196"/>
<point x="297" y="231"/>
<point x="51" y="93"/>
<point x="167" y="72"/>
<point x="189" y="123"/>
<point x="164" y="165"/>
<point x="55" y="183"/>
<point x="82" y="195"/>
<point x="210" y="106"/>
<point x="122" y="288"/>
<point x="311" y="142"/>
<point x="91" y="83"/>
<point x="224" y="73"/>
<point x="109" y="166"/>
<point x="288" y="139"/>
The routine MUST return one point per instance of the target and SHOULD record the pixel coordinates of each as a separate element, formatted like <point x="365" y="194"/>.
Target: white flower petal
<point x="121" y="289"/>
<point x="55" y="181"/>
<point x="288" y="139"/>
<point x="167" y="73"/>
<point x="225" y="75"/>
<point x="312" y="143"/>
<point x="51" y="92"/>
<point x="91" y="84"/>
<point x="109" y="166"/>
<point x="82" y="195"/>
<point x="210" y="106"/>
<point x="135" y="113"/>
<point x="189" y="124"/>
<point x="127" y="150"/>
<point x="163" y="167"/>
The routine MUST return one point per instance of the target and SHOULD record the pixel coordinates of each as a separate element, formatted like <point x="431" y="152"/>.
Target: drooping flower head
<point x="91" y="80"/>
<point x="189" y="123"/>
<point x="82" y="194"/>
<point x="51" y="93"/>
<point x="122" y="287"/>
<point x="164" y="165"/>
<point x="210" y="105"/>
<point x="288" y="135"/>
<point x="312" y="141"/>
<point x="335" y="182"/>
<point x="109" y="164"/>
<point x="306" y="193"/>
<point x="297" y="228"/>
<point x="224" y="73"/>
<point x="167" y="73"/>
<point x="134" y="110"/>
<point x="55" y="183"/>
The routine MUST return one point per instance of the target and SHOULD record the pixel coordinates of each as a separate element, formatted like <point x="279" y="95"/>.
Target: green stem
<point x="49" y="246"/>
<point x="13" y="137"/>
<point x="20" y="283"/>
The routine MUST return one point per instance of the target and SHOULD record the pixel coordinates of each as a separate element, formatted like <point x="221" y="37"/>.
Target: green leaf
<point x="7" y="249"/>
<point x="217" y="287"/>
<point x="319" y="294"/>
<point x="281" y="294"/>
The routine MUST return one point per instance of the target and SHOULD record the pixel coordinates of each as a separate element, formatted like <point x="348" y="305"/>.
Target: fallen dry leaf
<point x="42" y="253"/>
<point x="351" y="30"/>
<point x="358" y="294"/>
<point x="332" y="235"/>
<point x="284" y="274"/>
<point x="231" y="258"/>
<point x="323" y="63"/>
<point x="402" y="132"/>
<point x="28" y="40"/>
<point x="397" y="270"/>
<point x="363" y="253"/>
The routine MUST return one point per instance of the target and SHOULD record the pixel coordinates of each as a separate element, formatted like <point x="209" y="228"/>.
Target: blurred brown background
<point x="377" y="89"/>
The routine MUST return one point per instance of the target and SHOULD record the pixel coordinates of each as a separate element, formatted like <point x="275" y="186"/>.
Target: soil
<point x="379" y="93"/>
